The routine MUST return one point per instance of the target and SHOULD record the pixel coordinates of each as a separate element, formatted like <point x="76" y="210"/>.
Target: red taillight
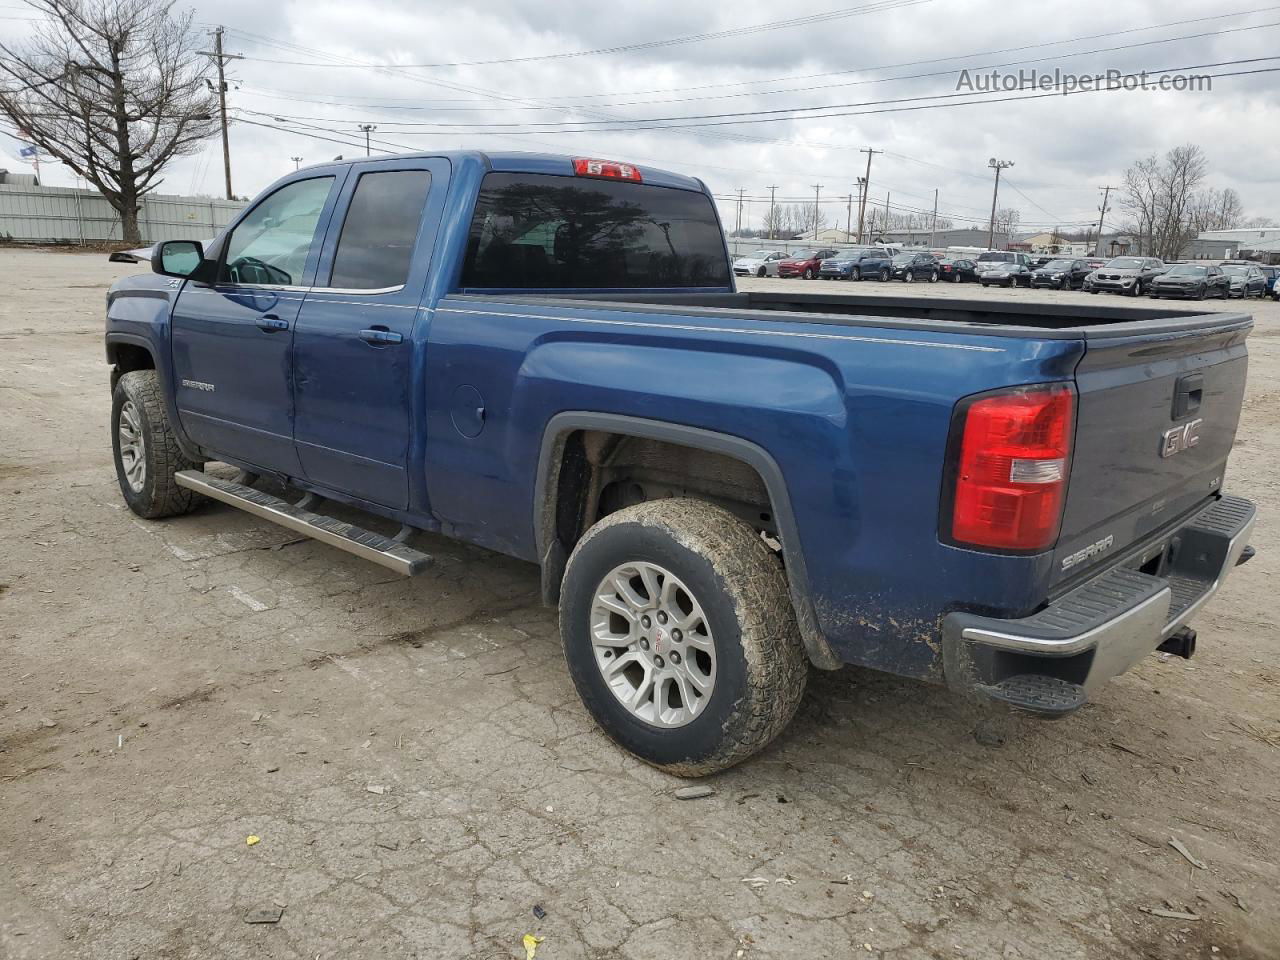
<point x="1011" y="475"/>
<point x="608" y="169"/>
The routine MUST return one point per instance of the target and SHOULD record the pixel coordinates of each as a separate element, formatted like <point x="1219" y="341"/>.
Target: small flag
<point x="28" y="153"/>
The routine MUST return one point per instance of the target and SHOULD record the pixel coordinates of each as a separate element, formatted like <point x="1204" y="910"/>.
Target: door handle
<point x="271" y="323"/>
<point x="380" y="336"/>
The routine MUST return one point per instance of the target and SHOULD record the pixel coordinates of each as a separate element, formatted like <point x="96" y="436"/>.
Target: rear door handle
<point x="380" y="336"/>
<point x="271" y="323"/>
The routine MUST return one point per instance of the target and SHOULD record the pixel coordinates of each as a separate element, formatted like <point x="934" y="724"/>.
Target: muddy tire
<point x="690" y="701"/>
<point x="145" y="450"/>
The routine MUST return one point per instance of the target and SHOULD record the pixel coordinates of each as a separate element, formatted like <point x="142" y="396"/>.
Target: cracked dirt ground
<point x="169" y="689"/>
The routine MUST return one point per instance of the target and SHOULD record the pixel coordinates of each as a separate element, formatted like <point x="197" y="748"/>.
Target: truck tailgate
<point x="1157" y="416"/>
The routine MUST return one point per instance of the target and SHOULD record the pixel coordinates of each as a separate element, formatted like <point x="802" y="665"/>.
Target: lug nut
<point x="658" y="662"/>
<point x="677" y="636"/>
<point x="662" y="617"/>
<point x="644" y="644"/>
<point x="675" y="657"/>
<point x="646" y="622"/>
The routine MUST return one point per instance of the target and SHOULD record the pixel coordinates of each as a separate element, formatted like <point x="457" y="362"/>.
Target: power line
<point x="801" y="113"/>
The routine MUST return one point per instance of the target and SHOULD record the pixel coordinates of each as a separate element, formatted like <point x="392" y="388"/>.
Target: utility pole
<point x="1106" y="195"/>
<point x="866" y="188"/>
<point x="297" y="162"/>
<point x="848" y="218"/>
<point x="997" y="166"/>
<point x="368" y="128"/>
<point x="220" y="59"/>
<point x="933" y="226"/>
<point x="817" y="189"/>
<point x="737" y="230"/>
<point x="772" y="208"/>
<point x="886" y="213"/>
<point x="862" y="201"/>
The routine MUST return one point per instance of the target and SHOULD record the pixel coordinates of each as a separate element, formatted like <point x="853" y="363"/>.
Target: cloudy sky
<point x="571" y="76"/>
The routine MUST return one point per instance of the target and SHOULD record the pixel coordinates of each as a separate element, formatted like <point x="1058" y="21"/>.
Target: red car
<point x="804" y="263"/>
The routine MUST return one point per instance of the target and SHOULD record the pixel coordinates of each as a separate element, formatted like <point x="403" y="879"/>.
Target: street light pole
<point x="368" y="128"/>
<point x="297" y="162"/>
<point x="997" y="166"/>
<point x="817" y="190"/>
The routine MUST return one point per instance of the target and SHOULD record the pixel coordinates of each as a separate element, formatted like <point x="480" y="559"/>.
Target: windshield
<point x="1188" y="271"/>
<point x="539" y="231"/>
<point x="996" y="257"/>
<point x="1235" y="271"/>
<point x="803" y="255"/>
<point x="1125" y="263"/>
<point x="1057" y="265"/>
<point x="904" y="258"/>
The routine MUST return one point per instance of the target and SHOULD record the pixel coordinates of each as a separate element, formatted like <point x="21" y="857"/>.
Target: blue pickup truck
<point x="546" y="356"/>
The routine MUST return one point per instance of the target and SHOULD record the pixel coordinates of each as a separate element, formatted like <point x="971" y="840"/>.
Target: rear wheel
<point x="146" y="452"/>
<point x="884" y="274"/>
<point x="933" y="277"/>
<point x="679" y="635"/>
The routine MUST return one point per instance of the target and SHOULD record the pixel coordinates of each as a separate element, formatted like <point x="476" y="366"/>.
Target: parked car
<point x="994" y="259"/>
<point x="804" y="263"/>
<point x="1065" y="274"/>
<point x="1131" y="276"/>
<point x="1040" y="261"/>
<point x="1194" y="281"/>
<point x="1246" y="281"/>
<point x="957" y="270"/>
<point x="1005" y="274"/>
<point x="1017" y="504"/>
<point x="1271" y="275"/>
<point x="860" y="263"/>
<point x="762" y="263"/>
<point x="914" y="266"/>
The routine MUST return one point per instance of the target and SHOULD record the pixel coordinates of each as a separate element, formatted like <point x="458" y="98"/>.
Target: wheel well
<point x="601" y="472"/>
<point x="127" y="357"/>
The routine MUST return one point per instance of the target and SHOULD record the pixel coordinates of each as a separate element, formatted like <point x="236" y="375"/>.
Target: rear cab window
<point x="547" y="232"/>
<point x="380" y="230"/>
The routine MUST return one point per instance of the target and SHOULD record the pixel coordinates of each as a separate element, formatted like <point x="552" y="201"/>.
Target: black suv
<point x="1063" y="273"/>
<point x="915" y="266"/>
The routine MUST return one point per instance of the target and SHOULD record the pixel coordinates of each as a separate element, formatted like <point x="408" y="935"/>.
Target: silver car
<point x="762" y="263"/>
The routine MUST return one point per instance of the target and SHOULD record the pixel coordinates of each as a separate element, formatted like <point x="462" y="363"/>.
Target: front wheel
<point x="146" y="453"/>
<point x="908" y="277"/>
<point x="933" y="277"/>
<point x="762" y="273"/>
<point x="884" y="274"/>
<point x="679" y="635"/>
<point x="808" y="273"/>
<point x="855" y="274"/>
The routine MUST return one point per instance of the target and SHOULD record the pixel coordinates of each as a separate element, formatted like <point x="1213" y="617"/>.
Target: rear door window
<point x="380" y="230"/>
<point x="539" y="231"/>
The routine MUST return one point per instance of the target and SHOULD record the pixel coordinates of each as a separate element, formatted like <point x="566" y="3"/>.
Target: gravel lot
<point x="413" y="757"/>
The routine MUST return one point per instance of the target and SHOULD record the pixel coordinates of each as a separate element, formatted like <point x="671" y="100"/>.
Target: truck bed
<point x="1039" y="320"/>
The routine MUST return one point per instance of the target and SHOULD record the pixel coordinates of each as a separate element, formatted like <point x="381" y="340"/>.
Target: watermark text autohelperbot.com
<point x="996" y="81"/>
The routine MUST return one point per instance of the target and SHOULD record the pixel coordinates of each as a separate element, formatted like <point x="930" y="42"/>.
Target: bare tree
<point x="1164" y="199"/>
<point x="114" y="89"/>
<point x="1256" y="222"/>
<point x="808" y="218"/>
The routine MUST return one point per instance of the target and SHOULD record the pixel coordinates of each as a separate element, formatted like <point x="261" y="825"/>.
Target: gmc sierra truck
<point x="546" y="356"/>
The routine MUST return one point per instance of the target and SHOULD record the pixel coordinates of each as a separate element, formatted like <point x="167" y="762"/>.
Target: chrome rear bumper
<point x="1104" y="626"/>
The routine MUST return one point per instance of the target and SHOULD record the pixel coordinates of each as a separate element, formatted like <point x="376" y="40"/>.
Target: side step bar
<point x="390" y="553"/>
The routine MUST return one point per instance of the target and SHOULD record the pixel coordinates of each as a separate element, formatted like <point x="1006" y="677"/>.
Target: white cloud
<point x="1064" y="148"/>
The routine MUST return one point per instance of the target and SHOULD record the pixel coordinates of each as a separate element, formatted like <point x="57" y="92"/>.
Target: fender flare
<point x="552" y="553"/>
<point x="189" y="449"/>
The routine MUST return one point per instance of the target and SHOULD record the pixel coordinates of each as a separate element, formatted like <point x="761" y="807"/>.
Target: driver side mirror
<point x="177" y="258"/>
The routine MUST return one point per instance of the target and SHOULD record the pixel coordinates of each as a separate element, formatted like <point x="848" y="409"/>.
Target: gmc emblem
<point x="1180" y="438"/>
